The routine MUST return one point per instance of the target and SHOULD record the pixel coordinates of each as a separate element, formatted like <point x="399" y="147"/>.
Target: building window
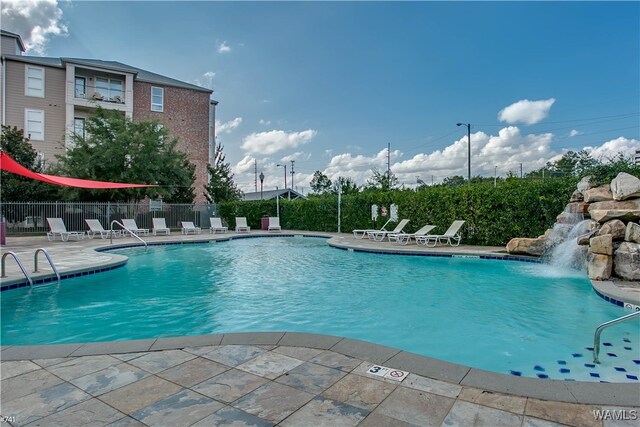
<point x="157" y="99"/>
<point x="34" y="81"/>
<point x="78" y="127"/>
<point x="34" y="124"/>
<point x="81" y="87"/>
<point x="109" y="90"/>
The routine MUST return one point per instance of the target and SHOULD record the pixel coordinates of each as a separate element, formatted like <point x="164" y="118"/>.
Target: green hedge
<point x="516" y="208"/>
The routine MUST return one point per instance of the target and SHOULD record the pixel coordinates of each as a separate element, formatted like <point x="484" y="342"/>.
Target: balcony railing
<point x="94" y="93"/>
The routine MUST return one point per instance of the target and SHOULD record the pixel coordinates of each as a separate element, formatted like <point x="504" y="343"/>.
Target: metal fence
<point x="31" y="217"/>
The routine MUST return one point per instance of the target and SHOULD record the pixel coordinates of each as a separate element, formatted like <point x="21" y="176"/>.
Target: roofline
<point x="29" y="60"/>
<point x="16" y="36"/>
<point x="79" y="61"/>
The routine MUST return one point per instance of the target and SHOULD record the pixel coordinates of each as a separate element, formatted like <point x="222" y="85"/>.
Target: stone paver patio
<point x="264" y="379"/>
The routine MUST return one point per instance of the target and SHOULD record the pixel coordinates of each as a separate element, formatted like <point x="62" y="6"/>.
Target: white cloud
<point x="36" y="21"/>
<point x="270" y="142"/>
<point x="244" y="165"/>
<point x="525" y="111"/>
<point x="229" y="126"/>
<point x="298" y="155"/>
<point x="206" y="80"/>
<point x="224" y="47"/>
<point x="265" y="122"/>
<point x="574" y="133"/>
<point x="358" y="167"/>
<point x="610" y="149"/>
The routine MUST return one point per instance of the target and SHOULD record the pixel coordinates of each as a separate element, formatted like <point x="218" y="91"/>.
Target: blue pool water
<point x="509" y="317"/>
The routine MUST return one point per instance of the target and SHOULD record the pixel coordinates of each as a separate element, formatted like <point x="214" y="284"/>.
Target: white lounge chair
<point x="451" y="237"/>
<point x="359" y="234"/>
<point x="241" y="225"/>
<point x="189" y="227"/>
<point x="57" y="228"/>
<point x="216" y="225"/>
<point x="274" y="224"/>
<point x="380" y="235"/>
<point x="405" y="238"/>
<point x="96" y="227"/>
<point x="132" y="227"/>
<point x="160" y="226"/>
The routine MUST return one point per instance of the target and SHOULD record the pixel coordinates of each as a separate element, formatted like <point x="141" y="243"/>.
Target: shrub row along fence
<point x="31" y="217"/>
<point x="492" y="215"/>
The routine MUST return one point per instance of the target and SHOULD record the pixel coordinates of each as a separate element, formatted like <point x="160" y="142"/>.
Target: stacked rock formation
<point x="612" y="237"/>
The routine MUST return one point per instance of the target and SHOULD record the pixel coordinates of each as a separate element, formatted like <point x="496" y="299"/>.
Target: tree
<point x="118" y="149"/>
<point x="453" y="181"/>
<point x="16" y="188"/>
<point x="348" y="186"/>
<point x="221" y="187"/>
<point x="385" y="181"/>
<point x="320" y="184"/>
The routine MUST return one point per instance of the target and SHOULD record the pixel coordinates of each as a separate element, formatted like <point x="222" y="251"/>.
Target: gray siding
<point x="53" y="105"/>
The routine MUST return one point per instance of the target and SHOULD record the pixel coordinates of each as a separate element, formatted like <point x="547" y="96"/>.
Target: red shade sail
<point x="9" y="165"/>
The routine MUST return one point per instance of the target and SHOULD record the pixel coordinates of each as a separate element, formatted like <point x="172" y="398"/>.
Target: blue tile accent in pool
<point x="577" y="354"/>
<point x="609" y="299"/>
<point x="590" y="365"/>
<point x="516" y="373"/>
<point x="543" y="376"/>
<point x="608" y="344"/>
<point x="632" y="377"/>
<point x="565" y="370"/>
<point x="612" y="355"/>
<point x="620" y="369"/>
<point x="627" y="348"/>
<point x="62" y="277"/>
<point x="538" y="368"/>
<point x="562" y="362"/>
<point x="626" y="340"/>
<point x="595" y="374"/>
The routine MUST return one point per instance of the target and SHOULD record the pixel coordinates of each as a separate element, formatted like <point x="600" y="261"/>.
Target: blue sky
<point x="329" y="84"/>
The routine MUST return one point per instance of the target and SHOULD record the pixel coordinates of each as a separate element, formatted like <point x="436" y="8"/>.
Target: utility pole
<point x="255" y="175"/>
<point x="285" y="174"/>
<point x="495" y="175"/>
<point x="520" y="170"/>
<point x="292" y="172"/>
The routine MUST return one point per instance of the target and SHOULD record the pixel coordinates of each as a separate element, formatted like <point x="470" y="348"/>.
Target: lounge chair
<point x="274" y="224"/>
<point x="131" y="227"/>
<point x="96" y="227"/>
<point x="451" y="237"/>
<point x="160" y="226"/>
<point x="359" y="234"/>
<point x="379" y="236"/>
<point x="189" y="227"/>
<point x="57" y="228"/>
<point x="404" y="238"/>
<point x="241" y="225"/>
<point x="216" y="225"/>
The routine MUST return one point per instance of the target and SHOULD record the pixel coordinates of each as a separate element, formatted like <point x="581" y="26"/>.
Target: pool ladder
<point x="126" y="229"/>
<point x="35" y="264"/>
<point x="599" y="329"/>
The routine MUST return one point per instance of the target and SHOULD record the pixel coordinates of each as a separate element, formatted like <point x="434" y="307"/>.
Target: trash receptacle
<point x="265" y="223"/>
<point x="3" y="231"/>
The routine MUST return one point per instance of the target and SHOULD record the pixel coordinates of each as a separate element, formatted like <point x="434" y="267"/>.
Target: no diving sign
<point x="392" y="374"/>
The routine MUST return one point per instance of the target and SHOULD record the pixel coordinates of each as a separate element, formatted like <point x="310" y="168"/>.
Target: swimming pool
<point x="508" y="317"/>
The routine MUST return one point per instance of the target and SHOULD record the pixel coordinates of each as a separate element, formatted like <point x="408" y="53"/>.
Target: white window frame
<point x="27" y="128"/>
<point x="84" y="87"/>
<point x="157" y="107"/>
<point x="37" y="92"/>
<point x="75" y="126"/>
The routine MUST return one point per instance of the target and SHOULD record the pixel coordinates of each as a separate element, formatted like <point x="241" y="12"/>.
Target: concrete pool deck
<point x="272" y="378"/>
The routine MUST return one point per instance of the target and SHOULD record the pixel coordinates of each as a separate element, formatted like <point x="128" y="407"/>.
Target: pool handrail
<point x="126" y="229"/>
<point x="599" y="329"/>
<point x="24" y="271"/>
<point x="46" y="254"/>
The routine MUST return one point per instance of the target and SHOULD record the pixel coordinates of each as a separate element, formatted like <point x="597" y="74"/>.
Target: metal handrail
<point x="46" y="254"/>
<point x="126" y="229"/>
<point x="24" y="271"/>
<point x="599" y="329"/>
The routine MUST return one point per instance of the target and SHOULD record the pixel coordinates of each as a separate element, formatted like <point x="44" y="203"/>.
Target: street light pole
<point x="261" y="182"/>
<point x="468" y="125"/>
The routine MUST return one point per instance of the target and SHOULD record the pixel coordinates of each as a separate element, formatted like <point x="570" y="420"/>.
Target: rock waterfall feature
<point x="598" y="231"/>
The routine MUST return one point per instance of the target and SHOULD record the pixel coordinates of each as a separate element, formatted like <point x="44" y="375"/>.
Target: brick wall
<point x="186" y="117"/>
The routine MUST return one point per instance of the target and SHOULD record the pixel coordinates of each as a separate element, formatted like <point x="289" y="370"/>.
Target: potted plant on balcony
<point x="117" y="99"/>
<point x="97" y="96"/>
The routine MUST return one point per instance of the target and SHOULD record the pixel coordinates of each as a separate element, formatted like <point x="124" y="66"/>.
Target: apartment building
<point x="50" y="98"/>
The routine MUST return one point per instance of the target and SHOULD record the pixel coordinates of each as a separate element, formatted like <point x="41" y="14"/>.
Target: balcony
<point x="103" y="94"/>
